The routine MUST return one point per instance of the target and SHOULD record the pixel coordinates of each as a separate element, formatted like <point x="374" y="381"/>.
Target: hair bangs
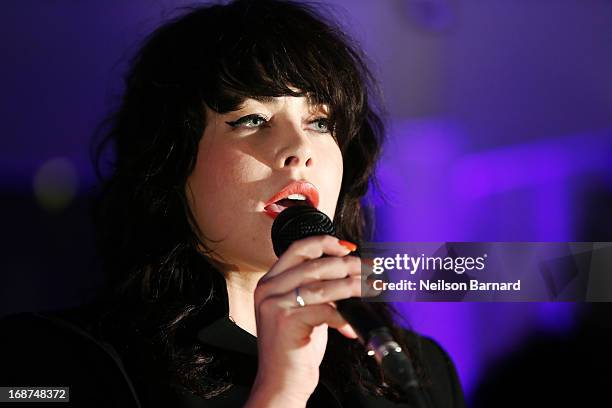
<point x="295" y="56"/>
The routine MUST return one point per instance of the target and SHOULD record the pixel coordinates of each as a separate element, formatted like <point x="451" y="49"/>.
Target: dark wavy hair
<point x="163" y="288"/>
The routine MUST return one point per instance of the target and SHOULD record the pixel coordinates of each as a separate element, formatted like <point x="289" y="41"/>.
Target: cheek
<point x="332" y="178"/>
<point x="215" y="184"/>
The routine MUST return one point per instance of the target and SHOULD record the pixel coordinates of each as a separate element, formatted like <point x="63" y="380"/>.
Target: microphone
<point x="301" y="221"/>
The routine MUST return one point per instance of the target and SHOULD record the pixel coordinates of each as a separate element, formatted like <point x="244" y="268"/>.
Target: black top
<point x="44" y="350"/>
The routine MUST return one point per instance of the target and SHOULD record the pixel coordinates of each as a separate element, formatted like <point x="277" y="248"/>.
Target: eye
<point x="320" y="125"/>
<point x="249" y="121"/>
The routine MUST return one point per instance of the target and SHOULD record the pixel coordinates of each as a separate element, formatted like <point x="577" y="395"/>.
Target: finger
<point x="348" y="331"/>
<point x="312" y="316"/>
<point x="366" y="267"/>
<point x="324" y="292"/>
<point x="311" y="271"/>
<point x="368" y="288"/>
<point x="306" y="249"/>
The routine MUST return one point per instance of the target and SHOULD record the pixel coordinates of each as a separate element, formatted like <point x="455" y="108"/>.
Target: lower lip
<point x="271" y="214"/>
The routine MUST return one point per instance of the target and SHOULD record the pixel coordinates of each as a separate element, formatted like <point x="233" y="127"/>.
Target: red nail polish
<point x="348" y="245"/>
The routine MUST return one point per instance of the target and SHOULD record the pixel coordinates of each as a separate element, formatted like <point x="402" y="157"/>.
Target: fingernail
<point x="348" y="245"/>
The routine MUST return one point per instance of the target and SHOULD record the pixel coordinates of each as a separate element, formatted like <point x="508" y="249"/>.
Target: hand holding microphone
<point x="298" y="222"/>
<point x="293" y="306"/>
<point x="313" y="285"/>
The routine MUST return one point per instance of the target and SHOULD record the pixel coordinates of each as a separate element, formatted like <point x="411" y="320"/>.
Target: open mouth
<point x="293" y="200"/>
<point x="296" y="193"/>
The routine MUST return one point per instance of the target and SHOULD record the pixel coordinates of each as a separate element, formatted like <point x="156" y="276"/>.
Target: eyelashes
<point x="254" y="121"/>
<point x="249" y="121"/>
<point x="322" y="125"/>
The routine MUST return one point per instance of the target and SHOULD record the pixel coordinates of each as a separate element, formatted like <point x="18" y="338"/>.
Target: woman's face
<point x="245" y="158"/>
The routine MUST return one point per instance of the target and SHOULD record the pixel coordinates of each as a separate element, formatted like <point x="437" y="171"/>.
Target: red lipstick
<point x="295" y="193"/>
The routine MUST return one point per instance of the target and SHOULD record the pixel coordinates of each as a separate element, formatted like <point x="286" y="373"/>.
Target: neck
<point x="240" y="292"/>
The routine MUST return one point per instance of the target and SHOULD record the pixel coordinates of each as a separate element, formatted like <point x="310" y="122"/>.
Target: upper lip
<point x="297" y="187"/>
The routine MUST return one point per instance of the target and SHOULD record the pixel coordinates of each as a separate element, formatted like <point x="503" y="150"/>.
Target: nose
<point x="296" y="149"/>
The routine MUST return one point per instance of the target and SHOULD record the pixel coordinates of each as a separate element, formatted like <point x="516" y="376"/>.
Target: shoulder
<point x="45" y="350"/>
<point x="440" y="381"/>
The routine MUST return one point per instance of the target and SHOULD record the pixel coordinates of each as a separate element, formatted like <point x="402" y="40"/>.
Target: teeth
<point x="296" y="197"/>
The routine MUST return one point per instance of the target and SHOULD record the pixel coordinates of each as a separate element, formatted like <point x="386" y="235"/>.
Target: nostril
<point x="291" y="160"/>
<point x="296" y="160"/>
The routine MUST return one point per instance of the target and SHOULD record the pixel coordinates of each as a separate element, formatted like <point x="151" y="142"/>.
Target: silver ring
<point x="299" y="299"/>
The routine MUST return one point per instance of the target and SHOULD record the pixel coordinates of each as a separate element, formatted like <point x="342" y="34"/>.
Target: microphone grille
<point x="298" y="222"/>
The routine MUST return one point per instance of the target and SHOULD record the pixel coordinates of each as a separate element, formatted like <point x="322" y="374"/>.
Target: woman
<point x="232" y="113"/>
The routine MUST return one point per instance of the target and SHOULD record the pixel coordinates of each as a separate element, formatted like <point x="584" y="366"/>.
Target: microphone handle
<point x="376" y="337"/>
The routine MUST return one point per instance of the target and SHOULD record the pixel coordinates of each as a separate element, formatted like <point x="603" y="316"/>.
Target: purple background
<point x="501" y="130"/>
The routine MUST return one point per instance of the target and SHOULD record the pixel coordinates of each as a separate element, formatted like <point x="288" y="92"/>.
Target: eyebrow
<point x="272" y="100"/>
<point x="264" y="99"/>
